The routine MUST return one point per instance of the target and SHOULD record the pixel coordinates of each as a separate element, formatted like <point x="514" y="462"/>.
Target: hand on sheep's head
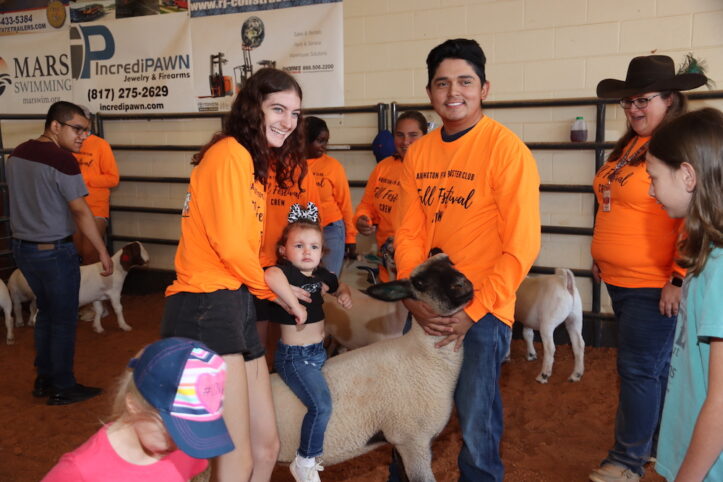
<point x="435" y="294"/>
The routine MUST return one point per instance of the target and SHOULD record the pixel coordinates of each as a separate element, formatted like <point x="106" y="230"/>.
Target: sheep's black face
<point x="442" y="287"/>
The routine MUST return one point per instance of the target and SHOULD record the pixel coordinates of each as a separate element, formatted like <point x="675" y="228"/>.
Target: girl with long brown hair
<point x="217" y="262"/>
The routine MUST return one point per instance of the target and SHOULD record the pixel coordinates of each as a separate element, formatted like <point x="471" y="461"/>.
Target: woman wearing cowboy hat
<point x="633" y="250"/>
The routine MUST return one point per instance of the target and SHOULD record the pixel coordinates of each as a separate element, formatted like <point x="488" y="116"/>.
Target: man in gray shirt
<point x="46" y="204"/>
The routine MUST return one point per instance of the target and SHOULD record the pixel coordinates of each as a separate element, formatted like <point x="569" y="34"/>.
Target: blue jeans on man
<point x="334" y="243"/>
<point x="645" y="343"/>
<point x="54" y="276"/>
<point x="300" y="368"/>
<point x="479" y="402"/>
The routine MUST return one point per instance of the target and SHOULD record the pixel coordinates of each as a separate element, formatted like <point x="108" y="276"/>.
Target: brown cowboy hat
<point x="651" y="73"/>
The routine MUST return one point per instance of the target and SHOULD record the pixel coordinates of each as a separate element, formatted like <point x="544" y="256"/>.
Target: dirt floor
<point x="553" y="432"/>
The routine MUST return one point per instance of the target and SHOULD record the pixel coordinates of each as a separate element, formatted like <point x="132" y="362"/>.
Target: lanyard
<point x="626" y="158"/>
<point x="606" y="190"/>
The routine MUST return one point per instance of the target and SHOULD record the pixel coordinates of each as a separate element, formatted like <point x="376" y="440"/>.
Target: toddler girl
<point x="300" y="354"/>
<point x="168" y="415"/>
<point x="685" y="164"/>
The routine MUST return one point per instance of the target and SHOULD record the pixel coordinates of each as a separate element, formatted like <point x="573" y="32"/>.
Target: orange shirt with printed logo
<point x="100" y="173"/>
<point x="634" y="243"/>
<point x="222" y="225"/>
<point x="278" y="204"/>
<point x="379" y="202"/>
<point x="476" y="198"/>
<point x="334" y="191"/>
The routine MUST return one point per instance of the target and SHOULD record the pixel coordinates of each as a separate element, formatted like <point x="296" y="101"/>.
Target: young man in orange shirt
<point x="471" y="189"/>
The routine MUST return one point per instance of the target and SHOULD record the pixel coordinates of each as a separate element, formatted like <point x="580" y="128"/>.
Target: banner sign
<point x="33" y="16"/>
<point x="234" y="38"/>
<point x="142" y="60"/>
<point x="138" y="65"/>
<point x="34" y="72"/>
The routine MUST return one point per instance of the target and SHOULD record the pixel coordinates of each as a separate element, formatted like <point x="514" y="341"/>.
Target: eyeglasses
<point x="79" y="130"/>
<point x="640" y="102"/>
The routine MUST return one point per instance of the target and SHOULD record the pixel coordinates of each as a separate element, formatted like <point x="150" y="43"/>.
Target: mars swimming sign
<point x="34" y="73"/>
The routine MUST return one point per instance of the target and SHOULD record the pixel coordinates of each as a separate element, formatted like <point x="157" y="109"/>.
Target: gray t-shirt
<point x="42" y="178"/>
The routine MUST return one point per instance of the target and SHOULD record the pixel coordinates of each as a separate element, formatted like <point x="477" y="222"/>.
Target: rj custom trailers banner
<point x="139" y="65"/>
<point x="33" y="16"/>
<point x="234" y="38"/>
<point x="34" y="72"/>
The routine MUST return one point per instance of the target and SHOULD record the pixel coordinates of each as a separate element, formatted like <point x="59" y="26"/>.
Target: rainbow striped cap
<point x="184" y="381"/>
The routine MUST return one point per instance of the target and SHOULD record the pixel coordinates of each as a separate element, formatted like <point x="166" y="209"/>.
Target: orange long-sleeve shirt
<point x="634" y="243"/>
<point x="278" y="203"/>
<point x="476" y="198"/>
<point x="100" y="173"/>
<point x="379" y="202"/>
<point x="221" y="225"/>
<point x="334" y="190"/>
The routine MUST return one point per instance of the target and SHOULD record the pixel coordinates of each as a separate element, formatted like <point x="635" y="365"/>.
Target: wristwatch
<point x="676" y="281"/>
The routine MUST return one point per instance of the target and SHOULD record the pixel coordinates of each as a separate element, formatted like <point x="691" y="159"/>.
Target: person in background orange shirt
<point x="376" y="211"/>
<point x="217" y="262"/>
<point x="100" y="173"/>
<point x="335" y="209"/>
<point x="634" y="251"/>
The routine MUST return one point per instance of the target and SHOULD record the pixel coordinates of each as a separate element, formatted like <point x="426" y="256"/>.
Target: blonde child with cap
<point x="167" y="419"/>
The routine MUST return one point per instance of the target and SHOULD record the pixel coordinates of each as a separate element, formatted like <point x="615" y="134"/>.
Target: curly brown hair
<point x="245" y="123"/>
<point x="696" y="138"/>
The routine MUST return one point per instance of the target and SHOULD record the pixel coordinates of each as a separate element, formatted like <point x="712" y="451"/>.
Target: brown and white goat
<point x="94" y="288"/>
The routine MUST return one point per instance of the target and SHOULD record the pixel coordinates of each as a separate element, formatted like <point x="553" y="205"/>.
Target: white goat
<point x="370" y="320"/>
<point x="7" y="306"/>
<point x="20" y="293"/>
<point x="94" y="288"/>
<point x="543" y="302"/>
<point x="398" y="391"/>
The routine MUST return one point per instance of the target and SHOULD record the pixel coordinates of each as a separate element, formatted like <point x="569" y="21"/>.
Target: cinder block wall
<point x="535" y="49"/>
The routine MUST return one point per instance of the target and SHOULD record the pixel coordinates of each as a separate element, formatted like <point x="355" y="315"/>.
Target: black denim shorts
<point x="224" y="320"/>
<point x="262" y="309"/>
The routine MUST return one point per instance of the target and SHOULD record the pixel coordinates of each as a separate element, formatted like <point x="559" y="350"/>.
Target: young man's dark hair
<point x="62" y="112"/>
<point x="459" y="48"/>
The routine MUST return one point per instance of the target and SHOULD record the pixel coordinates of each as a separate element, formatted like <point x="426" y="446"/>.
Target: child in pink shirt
<point x="168" y="419"/>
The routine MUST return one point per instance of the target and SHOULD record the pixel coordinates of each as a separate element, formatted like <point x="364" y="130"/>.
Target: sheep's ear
<point x="391" y="291"/>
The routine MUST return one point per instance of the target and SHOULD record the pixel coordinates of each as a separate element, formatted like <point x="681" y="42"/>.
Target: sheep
<point x="373" y="387"/>
<point x="94" y="288"/>
<point x="542" y="304"/>
<point x="20" y="293"/>
<point x="7" y="307"/>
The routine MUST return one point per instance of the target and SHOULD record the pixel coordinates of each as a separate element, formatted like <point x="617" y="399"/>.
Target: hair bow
<point x="297" y="213"/>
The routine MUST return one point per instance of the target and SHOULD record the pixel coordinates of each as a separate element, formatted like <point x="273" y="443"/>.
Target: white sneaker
<point x="305" y="474"/>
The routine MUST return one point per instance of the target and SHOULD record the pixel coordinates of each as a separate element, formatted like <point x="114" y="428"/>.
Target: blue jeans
<point x="300" y="368"/>
<point x="54" y="276"/>
<point x="334" y="242"/>
<point x="479" y="402"/>
<point x="645" y="343"/>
